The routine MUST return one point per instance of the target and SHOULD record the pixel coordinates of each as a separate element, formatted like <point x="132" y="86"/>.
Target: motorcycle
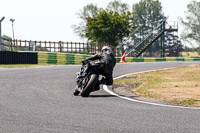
<point x="87" y="78"/>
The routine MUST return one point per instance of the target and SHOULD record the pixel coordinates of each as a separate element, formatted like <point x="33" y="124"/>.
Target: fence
<point x="48" y="46"/>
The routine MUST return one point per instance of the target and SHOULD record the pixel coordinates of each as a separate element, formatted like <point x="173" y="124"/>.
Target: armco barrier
<point x="7" y="57"/>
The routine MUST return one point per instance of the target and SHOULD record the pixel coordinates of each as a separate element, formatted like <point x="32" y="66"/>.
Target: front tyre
<point x="90" y="85"/>
<point x="76" y="91"/>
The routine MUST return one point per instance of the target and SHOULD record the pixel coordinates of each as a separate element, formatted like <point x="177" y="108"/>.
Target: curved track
<point x="40" y="100"/>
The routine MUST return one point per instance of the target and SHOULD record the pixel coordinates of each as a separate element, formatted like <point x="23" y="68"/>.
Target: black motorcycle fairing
<point x="86" y="78"/>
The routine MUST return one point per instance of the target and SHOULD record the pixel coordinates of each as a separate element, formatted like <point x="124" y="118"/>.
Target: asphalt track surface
<point x="40" y="100"/>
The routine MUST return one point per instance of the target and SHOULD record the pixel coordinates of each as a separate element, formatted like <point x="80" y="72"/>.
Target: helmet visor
<point x="106" y="51"/>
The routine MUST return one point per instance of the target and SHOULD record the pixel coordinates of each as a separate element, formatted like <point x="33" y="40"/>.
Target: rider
<point x="107" y="58"/>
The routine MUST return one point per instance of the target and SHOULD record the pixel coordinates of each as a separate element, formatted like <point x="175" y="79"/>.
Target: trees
<point x="115" y="23"/>
<point x="117" y="6"/>
<point x="109" y="27"/>
<point x="192" y="23"/>
<point x="105" y="26"/>
<point x="174" y="46"/>
<point x="88" y="11"/>
<point x="148" y="12"/>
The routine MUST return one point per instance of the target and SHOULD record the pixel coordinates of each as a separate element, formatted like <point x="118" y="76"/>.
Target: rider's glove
<point x="84" y="60"/>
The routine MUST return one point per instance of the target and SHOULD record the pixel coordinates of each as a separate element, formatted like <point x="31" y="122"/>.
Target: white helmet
<point x="106" y="49"/>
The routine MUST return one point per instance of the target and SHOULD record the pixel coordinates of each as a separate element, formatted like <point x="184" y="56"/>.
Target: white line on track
<point x="138" y="101"/>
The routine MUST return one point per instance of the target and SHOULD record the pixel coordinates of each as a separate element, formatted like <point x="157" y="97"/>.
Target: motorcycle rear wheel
<point x="90" y="85"/>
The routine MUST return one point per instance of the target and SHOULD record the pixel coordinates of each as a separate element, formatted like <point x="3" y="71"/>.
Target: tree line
<point x="110" y="25"/>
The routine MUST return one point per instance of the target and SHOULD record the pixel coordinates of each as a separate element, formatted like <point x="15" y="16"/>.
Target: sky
<point x="52" y="20"/>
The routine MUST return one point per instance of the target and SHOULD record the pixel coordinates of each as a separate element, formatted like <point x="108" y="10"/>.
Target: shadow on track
<point x="104" y="96"/>
<point x="101" y="96"/>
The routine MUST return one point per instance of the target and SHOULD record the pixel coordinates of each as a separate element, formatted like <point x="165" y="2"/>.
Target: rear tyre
<point x="90" y="85"/>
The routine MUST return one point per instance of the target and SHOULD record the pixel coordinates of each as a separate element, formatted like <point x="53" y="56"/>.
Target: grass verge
<point x="178" y="85"/>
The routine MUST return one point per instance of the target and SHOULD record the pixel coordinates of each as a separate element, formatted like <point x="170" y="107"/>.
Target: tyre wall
<point x="132" y="59"/>
<point x="8" y="57"/>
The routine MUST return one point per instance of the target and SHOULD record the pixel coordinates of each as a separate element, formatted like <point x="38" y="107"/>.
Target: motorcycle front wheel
<point x="90" y="85"/>
<point x="76" y="91"/>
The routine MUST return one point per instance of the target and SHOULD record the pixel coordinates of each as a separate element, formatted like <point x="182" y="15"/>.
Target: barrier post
<point x="0" y="33"/>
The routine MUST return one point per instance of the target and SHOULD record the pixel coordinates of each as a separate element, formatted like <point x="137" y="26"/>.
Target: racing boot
<point x="97" y="87"/>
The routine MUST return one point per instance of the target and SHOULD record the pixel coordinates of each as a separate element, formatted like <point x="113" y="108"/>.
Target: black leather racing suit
<point x="109" y="62"/>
